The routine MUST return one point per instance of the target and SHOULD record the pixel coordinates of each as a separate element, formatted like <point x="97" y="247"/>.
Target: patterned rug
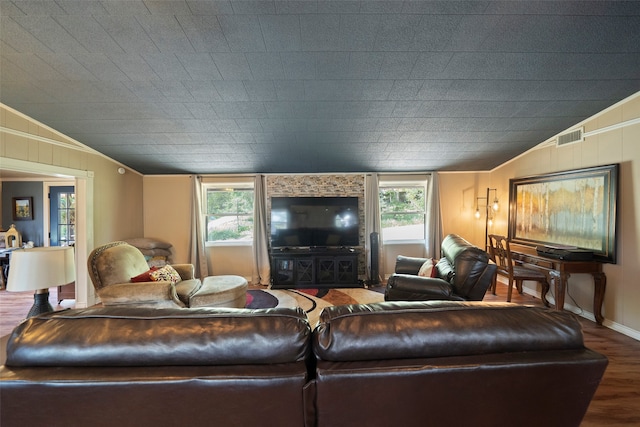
<point x="312" y="301"/>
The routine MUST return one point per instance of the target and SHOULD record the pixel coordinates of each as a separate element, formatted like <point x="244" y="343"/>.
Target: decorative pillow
<point x="426" y="269"/>
<point x="167" y="273"/>
<point x="144" y="277"/>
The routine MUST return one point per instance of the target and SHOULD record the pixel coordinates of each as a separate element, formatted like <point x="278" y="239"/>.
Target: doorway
<point x="62" y="216"/>
<point x="62" y="227"/>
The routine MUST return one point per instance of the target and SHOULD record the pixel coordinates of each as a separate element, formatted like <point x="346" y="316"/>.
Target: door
<point x="62" y="216"/>
<point x="62" y="227"/>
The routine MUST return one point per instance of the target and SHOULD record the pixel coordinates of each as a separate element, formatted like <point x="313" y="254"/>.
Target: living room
<point x="129" y="102"/>
<point x="132" y="204"/>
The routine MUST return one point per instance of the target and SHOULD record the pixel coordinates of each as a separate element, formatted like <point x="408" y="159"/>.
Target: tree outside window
<point x="402" y="212"/>
<point x="229" y="214"/>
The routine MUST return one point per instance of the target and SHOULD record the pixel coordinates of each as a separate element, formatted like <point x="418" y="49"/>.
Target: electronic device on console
<point x="566" y="253"/>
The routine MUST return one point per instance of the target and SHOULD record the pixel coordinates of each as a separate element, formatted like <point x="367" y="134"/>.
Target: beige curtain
<point x="198" y="252"/>
<point x="261" y="265"/>
<point x="434" y="218"/>
<point x="371" y="225"/>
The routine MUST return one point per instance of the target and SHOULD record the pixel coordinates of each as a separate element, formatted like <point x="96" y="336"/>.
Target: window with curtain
<point x="229" y="213"/>
<point x="403" y="208"/>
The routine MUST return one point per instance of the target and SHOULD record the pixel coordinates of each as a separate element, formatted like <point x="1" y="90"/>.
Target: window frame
<point x="225" y="186"/>
<point x="419" y="181"/>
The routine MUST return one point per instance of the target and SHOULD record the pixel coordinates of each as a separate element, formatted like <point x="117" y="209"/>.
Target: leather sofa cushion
<point x="405" y="330"/>
<point x="116" y="336"/>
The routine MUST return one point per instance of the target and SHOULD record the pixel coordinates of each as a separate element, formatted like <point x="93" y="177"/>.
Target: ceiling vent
<point x="576" y="135"/>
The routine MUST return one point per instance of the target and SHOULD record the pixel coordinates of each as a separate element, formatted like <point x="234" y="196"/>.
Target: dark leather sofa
<point x="464" y="273"/>
<point x="386" y="364"/>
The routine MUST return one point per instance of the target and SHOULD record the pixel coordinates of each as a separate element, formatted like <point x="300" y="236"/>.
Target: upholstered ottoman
<point x="221" y="291"/>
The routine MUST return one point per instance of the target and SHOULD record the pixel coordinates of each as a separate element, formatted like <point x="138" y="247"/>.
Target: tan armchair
<point x="112" y="266"/>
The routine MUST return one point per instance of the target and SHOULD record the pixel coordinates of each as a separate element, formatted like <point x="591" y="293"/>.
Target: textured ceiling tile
<point x="405" y="89"/>
<point x="332" y="65"/>
<point x="166" y="66"/>
<point x="125" y="7"/>
<point x="431" y="65"/>
<point x="200" y="110"/>
<point x="299" y="65"/>
<point x="50" y="33"/>
<point x="164" y="7"/>
<point x="202" y="91"/>
<point x="34" y="66"/>
<point x="199" y="66"/>
<point x="265" y="66"/>
<point x="397" y="33"/>
<point x="90" y="35"/>
<point x="290" y="90"/>
<point x="242" y="32"/>
<point x="365" y="65"/>
<point x="227" y="110"/>
<point x="231" y="90"/>
<point x="134" y="66"/>
<point x="232" y="66"/>
<point x="166" y="33"/>
<point x="253" y="7"/>
<point x="128" y="33"/>
<point x="294" y="7"/>
<point x="358" y="32"/>
<point x="19" y="38"/>
<point x="261" y="90"/>
<point x="397" y="65"/>
<point x="204" y="33"/>
<point x="320" y="32"/>
<point x="280" y="32"/>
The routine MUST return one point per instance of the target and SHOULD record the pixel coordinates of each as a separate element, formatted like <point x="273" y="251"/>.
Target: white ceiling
<point x="313" y="85"/>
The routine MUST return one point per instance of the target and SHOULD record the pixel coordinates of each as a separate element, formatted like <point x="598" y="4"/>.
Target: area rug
<point x="312" y="301"/>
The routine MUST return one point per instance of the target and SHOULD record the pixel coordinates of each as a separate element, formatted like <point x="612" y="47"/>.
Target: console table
<point x="559" y="271"/>
<point x="314" y="268"/>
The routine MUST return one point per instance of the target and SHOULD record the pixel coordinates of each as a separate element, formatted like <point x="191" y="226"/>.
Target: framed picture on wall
<point x="575" y="209"/>
<point x="22" y="208"/>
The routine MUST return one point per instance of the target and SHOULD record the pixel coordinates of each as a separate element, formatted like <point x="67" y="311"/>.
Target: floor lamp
<point x="38" y="269"/>
<point x="489" y="209"/>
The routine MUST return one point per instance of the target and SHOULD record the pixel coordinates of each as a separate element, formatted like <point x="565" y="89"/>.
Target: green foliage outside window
<point x="229" y="214"/>
<point x="402" y="212"/>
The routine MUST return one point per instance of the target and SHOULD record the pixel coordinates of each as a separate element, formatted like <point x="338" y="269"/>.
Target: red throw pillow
<point x="434" y="270"/>
<point x="144" y="277"/>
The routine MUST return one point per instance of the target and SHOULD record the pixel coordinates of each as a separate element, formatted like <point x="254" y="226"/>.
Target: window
<point x="66" y="205"/>
<point x="402" y="210"/>
<point x="229" y="214"/>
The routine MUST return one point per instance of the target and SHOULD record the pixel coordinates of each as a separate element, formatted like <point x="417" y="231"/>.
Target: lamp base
<point x="40" y="303"/>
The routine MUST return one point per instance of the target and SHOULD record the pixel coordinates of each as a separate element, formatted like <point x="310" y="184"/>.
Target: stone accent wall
<point x="351" y="185"/>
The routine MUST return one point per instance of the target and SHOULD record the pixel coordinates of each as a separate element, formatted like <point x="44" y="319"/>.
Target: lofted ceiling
<point x="184" y="86"/>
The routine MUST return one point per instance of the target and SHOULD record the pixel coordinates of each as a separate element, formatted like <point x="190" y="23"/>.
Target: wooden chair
<point x="500" y="252"/>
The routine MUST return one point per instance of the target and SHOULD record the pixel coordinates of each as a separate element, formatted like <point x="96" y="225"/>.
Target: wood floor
<point x="616" y="402"/>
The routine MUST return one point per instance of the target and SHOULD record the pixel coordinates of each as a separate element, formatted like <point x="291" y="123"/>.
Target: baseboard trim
<point x="625" y="330"/>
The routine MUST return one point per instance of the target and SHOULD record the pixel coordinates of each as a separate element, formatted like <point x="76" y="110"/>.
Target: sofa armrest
<point x="407" y="287"/>
<point x="157" y="294"/>
<point x="408" y="265"/>
<point x="186" y="271"/>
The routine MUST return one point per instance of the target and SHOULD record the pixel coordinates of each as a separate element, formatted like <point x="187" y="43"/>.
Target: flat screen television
<point x="314" y="222"/>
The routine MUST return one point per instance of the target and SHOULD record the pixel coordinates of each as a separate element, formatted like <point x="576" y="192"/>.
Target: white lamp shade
<point x="41" y="268"/>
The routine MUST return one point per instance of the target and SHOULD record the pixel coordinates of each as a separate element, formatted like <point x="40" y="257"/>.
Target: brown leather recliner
<point x="464" y="273"/>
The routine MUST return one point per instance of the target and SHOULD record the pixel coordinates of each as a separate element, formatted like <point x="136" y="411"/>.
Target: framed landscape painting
<point x="22" y="208"/>
<point x="574" y="209"/>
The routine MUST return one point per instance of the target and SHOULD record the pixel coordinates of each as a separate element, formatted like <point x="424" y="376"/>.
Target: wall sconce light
<point x="489" y="211"/>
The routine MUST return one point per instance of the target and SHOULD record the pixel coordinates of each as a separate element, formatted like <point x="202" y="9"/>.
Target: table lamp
<point x="38" y="269"/>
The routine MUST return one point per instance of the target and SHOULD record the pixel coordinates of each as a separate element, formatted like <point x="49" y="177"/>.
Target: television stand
<point x="314" y="267"/>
